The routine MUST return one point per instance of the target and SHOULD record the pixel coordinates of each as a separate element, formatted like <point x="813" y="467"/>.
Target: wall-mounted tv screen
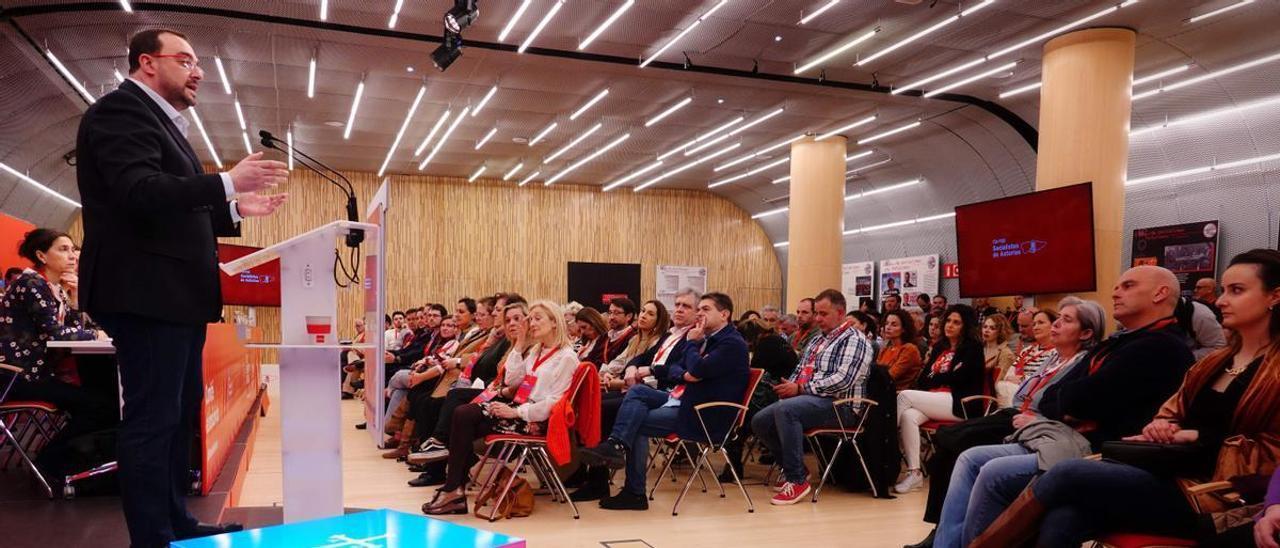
<point x="257" y="286"/>
<point x="1026" y="245"/>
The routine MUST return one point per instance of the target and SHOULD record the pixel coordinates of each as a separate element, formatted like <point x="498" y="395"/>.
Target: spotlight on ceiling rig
<point x="459" y="17"/>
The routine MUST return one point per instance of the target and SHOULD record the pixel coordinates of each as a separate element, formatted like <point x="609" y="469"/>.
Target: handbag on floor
<point x="517" y="504"/>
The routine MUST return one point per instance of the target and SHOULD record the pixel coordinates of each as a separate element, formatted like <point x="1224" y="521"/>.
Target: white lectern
<point x="310" y="375"/>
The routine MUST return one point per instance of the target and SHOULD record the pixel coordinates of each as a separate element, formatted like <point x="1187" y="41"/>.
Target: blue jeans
<point x="781" y="426"/>
<point x="978" y="472"/>
<point x="399" y="386"/>
<point x="1085" y="498"/>
<point x="641" y="416"/>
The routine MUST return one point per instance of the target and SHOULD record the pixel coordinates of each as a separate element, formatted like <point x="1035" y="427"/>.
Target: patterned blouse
<point x="31" y="315"/>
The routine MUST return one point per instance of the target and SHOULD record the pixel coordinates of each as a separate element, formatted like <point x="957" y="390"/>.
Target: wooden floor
<point x="838" y="519"/>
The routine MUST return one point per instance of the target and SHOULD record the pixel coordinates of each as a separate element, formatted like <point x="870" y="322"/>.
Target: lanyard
<point x="806" y="372"/>
<point x="943" y="363"/>
<point x="1103" y="352"/>
<point x="609" y="340"/>
<point x="668" y="345"/>
<point x="526" y="386"/>
<point x="1042" y="382"/>
<point x="587" y="348"/>
<point x="1030" y="355"/>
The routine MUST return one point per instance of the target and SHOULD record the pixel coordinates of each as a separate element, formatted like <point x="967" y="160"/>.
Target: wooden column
<point x="816" y="218"/>
<point x="1084" y="135"/>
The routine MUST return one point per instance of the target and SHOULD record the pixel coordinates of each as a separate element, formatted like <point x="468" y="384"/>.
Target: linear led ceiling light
<point x="395" y="14"/>
<point x="1208" y="76"/>
<point x="1203" y="169"/>
<point x="848" y="197"/>
<point x="1020" y="90"/>
<point x="477" y="174"/>
<point x="739" y="129"/>
<point x="355" y="106"/>
<point x="311" y="78"/>
<point x="434" y="129"/>
<point x="668" y="111"/>
<point x="848" y="127"/>
<point x="119" y="77"/>
<point x="686" y="167"/>
<point x="1137" y="82"/>
<point x="758" y="153"/>
<point x="124" y="5"/>
<point x="686" y="30"/>
<point x="480" y="144"/>
<point x="633" y="175"/>
<point x="921" y="34"/>
<point x="811" y="15"/>
<point x="222" y="73"/>
<point x="753" y="171"/>
<point x="204" y="135"/>
<point x="542" y="134"/>
<point x="894" y="131"/>
<point x="541" y="25"/>
<point x="513" y="171"/>
<point x="582" y="136"/>
<point x="484" y="100"/>
<point x="579" y="163"/>
<point x="843" y="48"/>
<point x="23" y="177"/>
<point x="702" y="137"/>
<point x="531" y="176"/>
<point x="859" y="169"/>
<point x="443" y="138"/>
<point x="399" y="135"/>
<point x="67" y="74"/>
<point x="240" y="115"/>
<point x="524" y="6"/>
<point x="974" y="78"/>
<point x="1218" y="11"/>
<point x="604" y="92"/>
<point x="324" y="10"/>
<point x="873" y="228"/>
<point x="248" y="146"/>
<point x="1272" y="101"/>
<point x="605" y="25"/>
<point x="1015" y="47"/>
<point x="288" y="141"/>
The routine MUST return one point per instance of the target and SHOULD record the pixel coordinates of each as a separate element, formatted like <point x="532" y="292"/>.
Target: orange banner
<point x="232" y="377"/>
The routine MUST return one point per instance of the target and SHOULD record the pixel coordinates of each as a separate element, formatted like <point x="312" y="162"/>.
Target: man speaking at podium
<point x="149" y="270"/>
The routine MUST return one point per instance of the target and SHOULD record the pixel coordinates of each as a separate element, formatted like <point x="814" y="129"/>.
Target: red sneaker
<point x="790" y="493"/>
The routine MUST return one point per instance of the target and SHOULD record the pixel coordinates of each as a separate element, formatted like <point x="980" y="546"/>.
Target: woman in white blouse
<point x="533" y="382"/>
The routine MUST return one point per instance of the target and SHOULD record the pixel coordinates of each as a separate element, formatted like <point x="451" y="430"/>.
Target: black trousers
<point x="162" y="376"/>
<point x="452" y="400"/>
<point x="87" y="411"/>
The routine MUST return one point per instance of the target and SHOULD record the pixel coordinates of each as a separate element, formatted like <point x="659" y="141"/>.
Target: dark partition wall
<point x="593" y="284"/>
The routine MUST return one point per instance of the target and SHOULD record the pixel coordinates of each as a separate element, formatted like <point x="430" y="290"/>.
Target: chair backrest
<point x="753" y="380"/>
<point x="576" y="388"/>
<point x="12" y="371"/>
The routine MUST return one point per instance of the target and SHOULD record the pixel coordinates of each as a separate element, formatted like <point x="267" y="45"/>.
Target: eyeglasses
<point x="184" y="60"/>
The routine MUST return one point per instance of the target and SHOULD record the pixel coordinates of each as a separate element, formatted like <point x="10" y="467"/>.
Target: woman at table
<point x="533" y="382"/>
<point x="41" y="307"/>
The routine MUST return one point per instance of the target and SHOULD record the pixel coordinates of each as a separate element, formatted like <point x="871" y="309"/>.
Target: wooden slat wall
<point x="450" y="238"/>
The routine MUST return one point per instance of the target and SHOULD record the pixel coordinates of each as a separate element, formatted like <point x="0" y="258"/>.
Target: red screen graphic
<point x="258" y="286"/>
<point x="1030" y="244"/>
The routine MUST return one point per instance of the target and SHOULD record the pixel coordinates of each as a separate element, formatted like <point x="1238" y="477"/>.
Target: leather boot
<point x="927" y="542"/>
<point x="395" y="421"/>
<point x="402" y="448"/>
<point x="1017" y="526"/>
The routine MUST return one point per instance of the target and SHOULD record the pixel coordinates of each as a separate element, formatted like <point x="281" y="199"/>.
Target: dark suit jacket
<point x="722" y="370"/>
<point x="151" y="214"/>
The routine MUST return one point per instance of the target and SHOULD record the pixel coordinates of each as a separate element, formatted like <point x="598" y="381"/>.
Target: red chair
<point x="709" y="446"/>
<point x="846" y="434"/>
<point x="929" y="428"/>
<point x="527" y="449"/>
<point x="26" y="425"/>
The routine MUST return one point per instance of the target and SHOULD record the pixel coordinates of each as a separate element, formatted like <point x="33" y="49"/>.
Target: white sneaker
<point x="913" y="481"/>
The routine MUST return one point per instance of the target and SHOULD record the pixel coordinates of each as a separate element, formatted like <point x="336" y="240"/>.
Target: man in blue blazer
<point x="714" y="366"/>
<point x="149" y="271"/>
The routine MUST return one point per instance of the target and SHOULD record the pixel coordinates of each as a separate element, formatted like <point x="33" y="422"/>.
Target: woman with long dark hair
<point x="900" y="355"/>
<point x="954" y="372"/>
<point x="39" y="307"/>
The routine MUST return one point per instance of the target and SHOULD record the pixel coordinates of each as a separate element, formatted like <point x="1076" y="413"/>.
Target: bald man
<point x="1206" y="293"/>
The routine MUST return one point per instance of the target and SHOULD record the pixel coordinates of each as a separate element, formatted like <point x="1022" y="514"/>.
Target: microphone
<point x="355" y="237"/>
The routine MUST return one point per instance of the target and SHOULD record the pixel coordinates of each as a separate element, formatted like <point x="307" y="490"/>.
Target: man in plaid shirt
<point x="832" y="366"/>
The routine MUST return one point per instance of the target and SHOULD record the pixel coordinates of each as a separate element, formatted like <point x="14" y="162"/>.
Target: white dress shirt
<point x="183" y="125"/>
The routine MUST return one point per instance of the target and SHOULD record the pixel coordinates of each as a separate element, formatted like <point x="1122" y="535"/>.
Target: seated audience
<point x="923" y="302"/>
<point x="1032" y="357"/>
<point x="592" y="335"/>
<point x="789" y="327"/>
<point x="833" y="366"/>
<point x="651" y="364"/>
<point x="771" y="316"/>
<point x="652" y="324"/>
<point x="1078" y="330"/>
<point x="713" y="367"/>
<point x="396" y="333"/>
<point x="1226" y="416"/>
<point x="41" y="305"/>
<point x="1206" y="293"/>
<point x="352" y="361"/>
<point x="1127" y="378"/>
<point x="771" y="354"/>
<point x="411" y="347"/>
<point x="954" y="372"/>
<point x="808" y="331"/>
<point x="996" y="354"/>
<point x="939" y="305"/>
<point x="571" y="322"/>
<point x="868" y="326"/>
<point x="917" y="318"/>
<point x="749" y="315"/>
<point x="532" y="384"/>
<point x="622" y="327"/>
<point x="1024" y="322"/>
<point x="900" y="354"/>
<point x="892" y="301"/>
<point x="424" y="373"/>
<point x="932" y="335"/>
<point x="1204" y="331"/>
<point x="982" y="305"/>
